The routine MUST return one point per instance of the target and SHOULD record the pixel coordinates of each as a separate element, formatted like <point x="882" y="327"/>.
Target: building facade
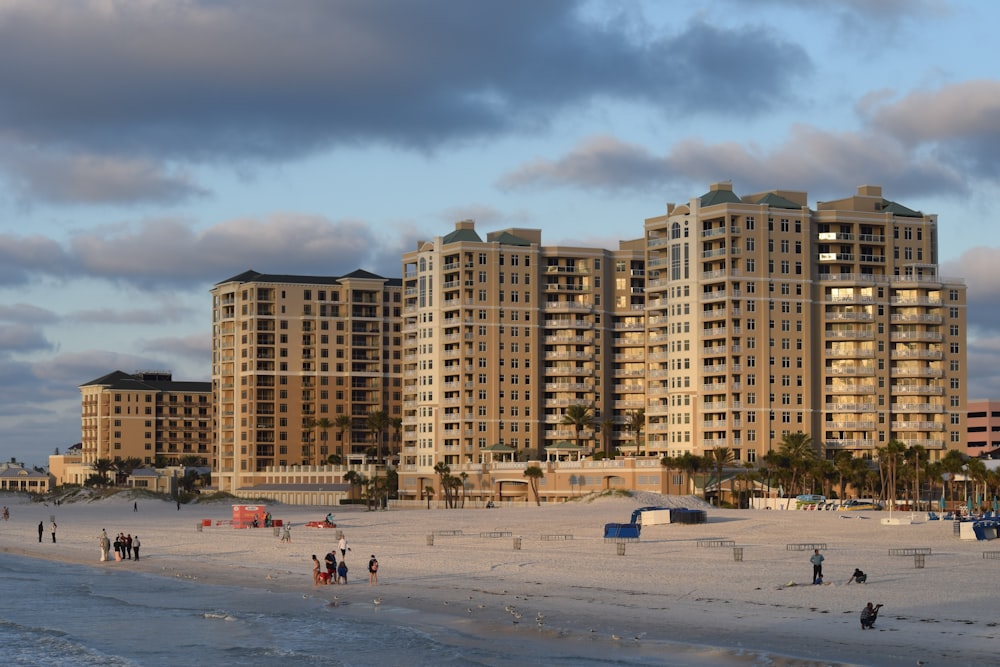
<point x="503" y="336"/>
<point x="299" y="365"/>
<point x="983" y="427"/>
<point x="767" y="318"/>
<point x="145" y="415"/>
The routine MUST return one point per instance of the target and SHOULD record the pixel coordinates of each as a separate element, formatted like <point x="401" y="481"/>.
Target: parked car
<point x="858" y="504"/>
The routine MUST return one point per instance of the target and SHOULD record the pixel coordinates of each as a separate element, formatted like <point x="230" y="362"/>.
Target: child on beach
<point x="373" y="571"/>
<point x="342" y="572"/>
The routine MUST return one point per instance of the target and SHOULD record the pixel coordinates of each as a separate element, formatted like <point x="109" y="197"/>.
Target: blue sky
<point x="149" y="149"/>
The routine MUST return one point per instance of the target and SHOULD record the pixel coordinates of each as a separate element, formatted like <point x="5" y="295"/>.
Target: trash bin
<point x="957" y="527"/>
<point x="517" y="544"/>
<point x="430" y="540"/>
<point x="277" y="531"/>
<point x="199" y="527"/>
<point x="918" y="561"/>
<point x="621" y="548"/>
<point x="737" y="554"/>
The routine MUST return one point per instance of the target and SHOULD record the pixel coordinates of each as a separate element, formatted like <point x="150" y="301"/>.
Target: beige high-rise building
<point x="145" y="415"/>
<point x="503" y="337"/>
<point x="299" y="365"/>
<point x="767" y="318"/>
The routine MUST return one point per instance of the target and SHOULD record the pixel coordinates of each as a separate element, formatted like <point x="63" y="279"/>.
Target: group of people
<point x="125" y="545"/>
<point x="41" y="530"/>
<point x="336" y="573"/>
<point x="870" y="613"/>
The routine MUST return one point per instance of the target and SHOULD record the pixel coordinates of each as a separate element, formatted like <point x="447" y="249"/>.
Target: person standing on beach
<point x="817" y="562"/>
<point x="331" y="565"/>
<point x="315" y="571"/>
<point x="105" y="545"/>
<point x="135" y="506"/>
<point x="373" y="571"/>
<point x="41" y="530"/>
<point x="343" y="547"/>
<point x="342" y="572"/>
<point x="52" y="528"/>
<point x="128" y="546"/>
<point x="135" y="546"/>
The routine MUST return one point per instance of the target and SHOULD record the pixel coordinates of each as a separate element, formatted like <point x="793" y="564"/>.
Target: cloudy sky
<point x="151" y="148"/>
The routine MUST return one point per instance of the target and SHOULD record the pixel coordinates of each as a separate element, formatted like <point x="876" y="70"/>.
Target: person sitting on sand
<point x="858" y="577"/>
<point x="869" y="615"/>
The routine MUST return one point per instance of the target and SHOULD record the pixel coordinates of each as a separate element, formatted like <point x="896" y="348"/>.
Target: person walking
<point x="817" y="563"/>
<point x="135" y="546"/>
<point x="373" y="571"/>
<point x="52" y="528"/>
<point x="342" y="545"/>
<point x="41" y="530"/>
<point x="135" y="506"/>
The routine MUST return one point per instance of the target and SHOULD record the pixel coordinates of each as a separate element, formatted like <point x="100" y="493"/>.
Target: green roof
<point x="900" y="210"/>
<point x="506" y="238"/>
<point x="776" y="201"/>
<point x="462" y="235"/>
<point x="719" y="197"/>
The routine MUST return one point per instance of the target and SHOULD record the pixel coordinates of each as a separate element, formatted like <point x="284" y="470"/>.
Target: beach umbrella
<point x="969" y="504"/>
<point x="996" y="504"/>
<point x="941" y="502"/>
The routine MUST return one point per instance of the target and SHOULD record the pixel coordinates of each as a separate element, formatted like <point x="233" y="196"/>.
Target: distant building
<point x="983" y="431"/>
<point x="146" y="415"/>
<point x="15" y="477"/>
<point x="299" y="364"/>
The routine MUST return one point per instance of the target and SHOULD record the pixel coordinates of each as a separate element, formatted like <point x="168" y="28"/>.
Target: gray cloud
<point x="197" y="347"/>
<point x="22" y="338"/>
<point x="169" y="253"/>
<point x="958" y="124"/>
<point x="60" y="178"/>
<point x="210" y="80"/>
<point x="109" y="316"/>
<point x="825" y="164"/>
<point x="27" y="313"/>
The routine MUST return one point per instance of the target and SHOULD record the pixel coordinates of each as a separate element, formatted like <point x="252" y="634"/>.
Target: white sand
<point x="665" y="587"/>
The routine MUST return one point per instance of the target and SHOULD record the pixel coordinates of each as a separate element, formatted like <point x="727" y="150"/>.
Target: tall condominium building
<point x="145" y="415"/>
<point x="503" y="336"/>
<point x="299" y="363"/>
<point x="765" y="318"/>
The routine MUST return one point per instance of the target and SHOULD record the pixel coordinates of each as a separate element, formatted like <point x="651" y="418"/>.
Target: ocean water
<point x="71" y="615"/>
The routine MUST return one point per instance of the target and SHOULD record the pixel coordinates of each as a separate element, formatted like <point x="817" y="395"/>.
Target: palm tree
<point x="429" y="494"/>
<point x="636" y="421"/>
<point x="397" y="432"/>
<point x="325" y="425"/>
<point x="691" y="464"/>
<point x="127" y="466"/>
<point x="719" y="457"/>
<point x="953" y="462"/>
<point x="607" y="425"/>
<point x="465" y="479"/>
<point x="344" y="424"/>
<point x="798" y="447"/>
<point x="577" y="416"/>
<point x="443" y="471"/>
<point x="534" y="473"/>
<point x="914" y="455"/>
<point x="354" y="479"/>
<point x="102" y="467"/>
<point x="378" y="422"/>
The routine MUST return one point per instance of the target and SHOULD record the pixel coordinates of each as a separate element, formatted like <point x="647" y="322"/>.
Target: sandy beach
<point x="566" y="583"/>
